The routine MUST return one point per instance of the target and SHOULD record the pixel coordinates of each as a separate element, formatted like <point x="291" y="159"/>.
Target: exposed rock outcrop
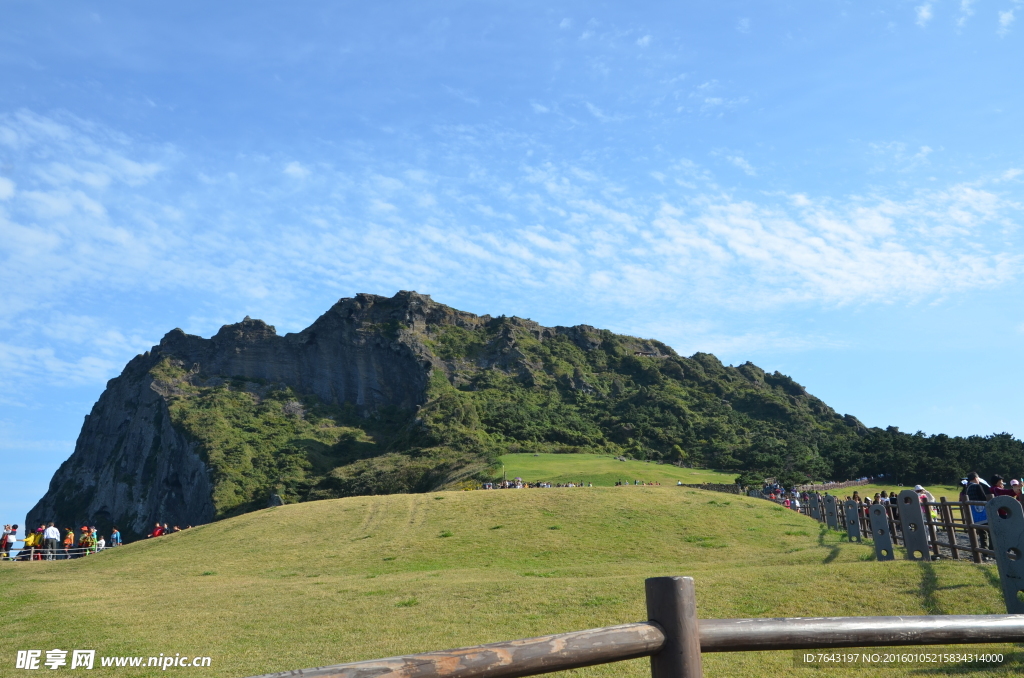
<point x="131" y="467"/>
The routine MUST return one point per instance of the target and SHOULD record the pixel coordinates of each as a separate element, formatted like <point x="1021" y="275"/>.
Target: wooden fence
<point x="674" y="638"/>
<point x="956" y="530"/>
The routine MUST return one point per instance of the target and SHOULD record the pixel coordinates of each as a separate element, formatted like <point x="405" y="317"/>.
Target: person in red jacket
<point x="157" y="531"/>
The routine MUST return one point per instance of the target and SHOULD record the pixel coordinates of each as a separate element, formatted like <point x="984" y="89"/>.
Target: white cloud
<point x="743" y="25"/>
<point x="898" y="156"/>
<point x="296" y="170"/>
<point x="601" y="115"/>
<point x="740" y="162"/>
<point x="966" y="12"/>
<point x="644" y="41"/>
<point x="6" y="188"/>
<point x="924" y="14"/>
<point x="539" y="108"/>
<point x="565" y="23"/>
<point x="1006" y="20"/>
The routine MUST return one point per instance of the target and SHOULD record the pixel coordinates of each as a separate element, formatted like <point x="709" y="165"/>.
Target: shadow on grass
<point x="930" y="587"/>
<point x="992" y="575"/>
<point x="833" y="550"/>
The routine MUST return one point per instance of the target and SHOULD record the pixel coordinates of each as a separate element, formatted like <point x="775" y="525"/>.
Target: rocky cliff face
<point x="131" y="467"/>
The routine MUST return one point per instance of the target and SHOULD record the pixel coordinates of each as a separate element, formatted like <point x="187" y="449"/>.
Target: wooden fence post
<point x="947" y="519"/>
<point x="852" y="520"/>
<point x="972" y="533"/>
<point x="880" y="532"/>
<point x="1006" y="520"/>
<point x="672" y="605"/>
<point x="915" y="536"/>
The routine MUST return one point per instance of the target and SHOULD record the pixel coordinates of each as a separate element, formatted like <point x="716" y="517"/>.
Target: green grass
<point x="341" y="580"/>
<point x="603" y="470"/>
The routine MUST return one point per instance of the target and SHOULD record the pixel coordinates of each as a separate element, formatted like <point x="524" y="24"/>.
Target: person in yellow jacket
<point x="85" y="542"/>
<point x="33" y="541"/>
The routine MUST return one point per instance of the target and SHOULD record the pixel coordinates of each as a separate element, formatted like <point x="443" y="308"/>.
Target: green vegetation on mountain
<point x="259" y="439"/>
<point x="498" y="386"/>
<point x="332" y="581"/>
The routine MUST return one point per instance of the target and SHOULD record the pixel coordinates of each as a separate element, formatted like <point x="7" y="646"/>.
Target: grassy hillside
<point x="340" y="580"/>
<point x="603" y="470"/>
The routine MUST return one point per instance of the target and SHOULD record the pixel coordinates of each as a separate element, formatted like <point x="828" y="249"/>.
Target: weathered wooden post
<point x="915" y="536"/>
<point x="831" y="512"/>
<point x="852" y="520"/>
<point x="1006" y="520"/>
<point x="672" y="605"/>
<point x="880" y="532"/>
<point x="947" y="521"/>
<point x="972" y="532"/>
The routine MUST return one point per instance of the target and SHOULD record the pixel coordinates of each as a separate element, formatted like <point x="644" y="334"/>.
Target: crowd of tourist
<point x="48" y="542"/>
<point x="520" y="484"/>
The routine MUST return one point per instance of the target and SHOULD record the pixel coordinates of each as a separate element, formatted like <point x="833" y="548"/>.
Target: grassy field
<point x="341" y="580"/>
<point x="603" y="470"/>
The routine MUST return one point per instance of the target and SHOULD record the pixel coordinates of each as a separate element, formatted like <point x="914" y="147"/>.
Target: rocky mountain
<point x="404" y="394"/>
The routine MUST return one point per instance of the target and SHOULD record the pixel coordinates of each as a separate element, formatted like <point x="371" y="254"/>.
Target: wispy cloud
<point x="737" y="160"/>
<point x="296" y="170"/>
<point x="601" y="115"/>
<point x="6" y="188"/>
<point x="966" y="12"/>
<point x="924" y="14"/>
<point x="1006" y="19"/>
<point x="250" y="235"/>
<point x="899" y="156"/>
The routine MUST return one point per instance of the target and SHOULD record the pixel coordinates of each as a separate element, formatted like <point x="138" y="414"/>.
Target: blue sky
<point x="830" y="189"/>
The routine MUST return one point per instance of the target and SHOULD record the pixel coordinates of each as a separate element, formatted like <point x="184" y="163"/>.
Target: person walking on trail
<point x="926" y="499"/>
<point x="69" y="542"/>
<point x="978" y="492"/>
<point x="5" y="550"/>
<point x="51" y="539"/>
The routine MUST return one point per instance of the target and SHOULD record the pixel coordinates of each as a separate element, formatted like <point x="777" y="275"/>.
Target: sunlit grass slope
<point x="340" y="580"/>
<point x="603" y="470"/>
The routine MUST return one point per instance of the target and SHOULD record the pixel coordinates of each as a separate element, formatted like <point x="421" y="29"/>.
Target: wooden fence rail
<point x="674" y="639"/>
